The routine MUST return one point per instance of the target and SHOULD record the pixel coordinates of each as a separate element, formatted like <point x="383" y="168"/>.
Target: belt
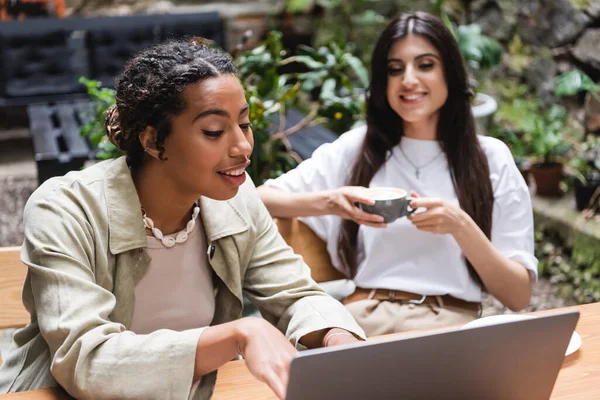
<point x="411" y="298"/>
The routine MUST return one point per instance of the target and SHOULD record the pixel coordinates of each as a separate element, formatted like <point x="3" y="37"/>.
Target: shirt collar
<point x="126" y="228"/>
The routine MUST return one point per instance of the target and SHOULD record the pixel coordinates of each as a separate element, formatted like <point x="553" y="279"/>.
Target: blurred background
<point x="534" y="66"/>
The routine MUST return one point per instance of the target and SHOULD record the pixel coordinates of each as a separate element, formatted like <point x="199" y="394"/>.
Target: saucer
<point x="574" y="344"/>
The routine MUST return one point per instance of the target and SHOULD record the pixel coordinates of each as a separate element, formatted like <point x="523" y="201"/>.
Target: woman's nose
<point x="241" y="146"/>
<point x="409" y="79"/>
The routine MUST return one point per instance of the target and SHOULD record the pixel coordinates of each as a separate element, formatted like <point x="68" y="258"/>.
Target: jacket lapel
<point x="224" y="225"/>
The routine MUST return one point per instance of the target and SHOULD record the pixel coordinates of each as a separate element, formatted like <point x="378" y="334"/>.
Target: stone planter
<point x="484" y="106"/>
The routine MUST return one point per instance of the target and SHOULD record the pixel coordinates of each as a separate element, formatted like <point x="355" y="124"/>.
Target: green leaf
<point x="308" y="61"/>
<point x="574" y="81"/>
<point x="329" y="4"/>
<point x="328" y="90"/>
<point x="298" y="6"/>
<point x="359" y="69"/>
<point x="477" y="48"/>
<point x="367" y="18"/>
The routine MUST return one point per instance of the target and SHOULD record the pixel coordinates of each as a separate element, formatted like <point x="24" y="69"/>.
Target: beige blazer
<point x="85" y="251"/>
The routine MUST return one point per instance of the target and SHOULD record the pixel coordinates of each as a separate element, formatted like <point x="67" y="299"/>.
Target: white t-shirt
<point x="401" y="257"/>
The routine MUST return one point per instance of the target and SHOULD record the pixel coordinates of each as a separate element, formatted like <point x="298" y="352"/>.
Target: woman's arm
<point x="505" y="279"/>
<point x="340" y="202"/>
<point x="282" y="204"/>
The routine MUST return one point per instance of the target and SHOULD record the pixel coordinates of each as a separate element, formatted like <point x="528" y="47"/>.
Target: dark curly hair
<point x="149" y="91"/>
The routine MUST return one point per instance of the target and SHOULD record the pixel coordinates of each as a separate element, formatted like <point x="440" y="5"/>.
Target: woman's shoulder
<point x="496" y="151"/>
<point x="347" y="145"/>
<point x="73" y="189"/>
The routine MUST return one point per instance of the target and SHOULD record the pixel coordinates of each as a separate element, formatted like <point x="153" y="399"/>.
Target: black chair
<point x="40" y="61"/>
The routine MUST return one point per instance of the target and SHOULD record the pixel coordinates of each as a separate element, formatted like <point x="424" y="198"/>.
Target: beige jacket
<point x="85" y="251"/>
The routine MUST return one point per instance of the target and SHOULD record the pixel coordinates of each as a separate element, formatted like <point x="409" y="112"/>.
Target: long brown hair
<point x="455" y="131"/>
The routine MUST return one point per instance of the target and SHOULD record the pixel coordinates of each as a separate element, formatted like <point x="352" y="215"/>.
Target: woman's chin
<point x="222" y="195"/>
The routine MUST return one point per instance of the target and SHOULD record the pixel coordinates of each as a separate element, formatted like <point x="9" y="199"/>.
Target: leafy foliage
<point x="575" y="271"/>
<point x="527" y="126"/>
<point x="93" y="130"/>
<point x="574" y="81"/>
<point x="479" y="51"/>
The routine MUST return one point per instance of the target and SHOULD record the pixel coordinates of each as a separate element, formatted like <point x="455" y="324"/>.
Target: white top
<point x="401" y="257"/>
<point x="177" y="290"/>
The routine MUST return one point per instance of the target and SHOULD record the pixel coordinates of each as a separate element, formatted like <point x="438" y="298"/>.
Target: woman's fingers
<point x="426" y="202"/>
<point x="424" y="216"/>
<point x="356" y="194"/>
<point x="356" y="213"/>
<point x="276" y="383"/>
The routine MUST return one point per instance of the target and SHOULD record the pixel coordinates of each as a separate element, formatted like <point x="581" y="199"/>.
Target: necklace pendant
<point x="417" y="173"/>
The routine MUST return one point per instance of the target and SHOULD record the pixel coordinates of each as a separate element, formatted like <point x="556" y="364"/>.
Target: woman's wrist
<point x="465" y="224"/>
<point x="337" y="336"/>
<point x="326" y="202"/>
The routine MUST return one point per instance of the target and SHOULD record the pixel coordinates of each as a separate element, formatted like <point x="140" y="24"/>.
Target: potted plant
<point x="585" y="169"/>
<point x="545" y="137"/>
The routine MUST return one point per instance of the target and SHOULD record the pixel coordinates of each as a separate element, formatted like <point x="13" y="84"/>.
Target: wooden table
<point x="579" y="377"/>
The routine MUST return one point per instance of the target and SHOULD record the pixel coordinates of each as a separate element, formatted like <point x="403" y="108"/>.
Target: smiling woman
<point x="137" y="266"/>
<point x="473" y="229"/>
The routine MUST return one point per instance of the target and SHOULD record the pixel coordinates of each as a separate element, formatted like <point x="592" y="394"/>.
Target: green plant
<point x="93" y="130"/>
<point x="347" y="21"/>
<point x="530" y="130"/>
<point x="574" y="270"/>
<point x="584" y="163"/>
<point x="546" y="136"/>
<point x="571" y="82"/>
<point x="337" y="80"/>
<point x="332" y="72"/>
<point x="480" y="52"/>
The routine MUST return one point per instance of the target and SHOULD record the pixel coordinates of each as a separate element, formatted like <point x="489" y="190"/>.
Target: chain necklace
<point x="418" y="168"/>
<point x="170" y="241"/>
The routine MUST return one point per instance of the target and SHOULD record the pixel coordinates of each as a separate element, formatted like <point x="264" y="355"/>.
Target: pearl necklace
<point x="170" y="241"/>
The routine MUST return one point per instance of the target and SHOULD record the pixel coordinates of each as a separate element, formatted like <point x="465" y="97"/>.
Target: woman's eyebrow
<point x="416" y="58"/>
<point x="218" y="111"/>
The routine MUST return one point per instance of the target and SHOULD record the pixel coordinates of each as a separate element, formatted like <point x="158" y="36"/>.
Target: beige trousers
<point x="381" y="317"/>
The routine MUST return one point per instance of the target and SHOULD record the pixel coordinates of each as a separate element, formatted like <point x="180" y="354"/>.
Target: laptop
<point x="517" y="360"/>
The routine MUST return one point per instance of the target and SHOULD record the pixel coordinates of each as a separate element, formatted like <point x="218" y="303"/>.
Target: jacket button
<point x="211" y="251"/>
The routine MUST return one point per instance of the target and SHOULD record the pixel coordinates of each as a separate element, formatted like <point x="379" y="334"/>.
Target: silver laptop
<point x="517" y="360"/>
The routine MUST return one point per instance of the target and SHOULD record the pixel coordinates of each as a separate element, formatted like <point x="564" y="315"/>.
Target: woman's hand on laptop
<point x="267" y="352"/>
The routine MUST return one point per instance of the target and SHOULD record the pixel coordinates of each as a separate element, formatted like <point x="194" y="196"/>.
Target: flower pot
<point x="547" y="178"/>
<point x="584" y="192"/>
<point x="525" y="174"/>
<point x="483" y="107"/>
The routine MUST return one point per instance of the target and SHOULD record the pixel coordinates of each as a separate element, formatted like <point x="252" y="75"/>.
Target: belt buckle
<point x="420" y="301"/>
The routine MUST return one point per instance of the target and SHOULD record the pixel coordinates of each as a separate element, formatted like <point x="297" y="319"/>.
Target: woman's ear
<point x="147" y="139"/>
